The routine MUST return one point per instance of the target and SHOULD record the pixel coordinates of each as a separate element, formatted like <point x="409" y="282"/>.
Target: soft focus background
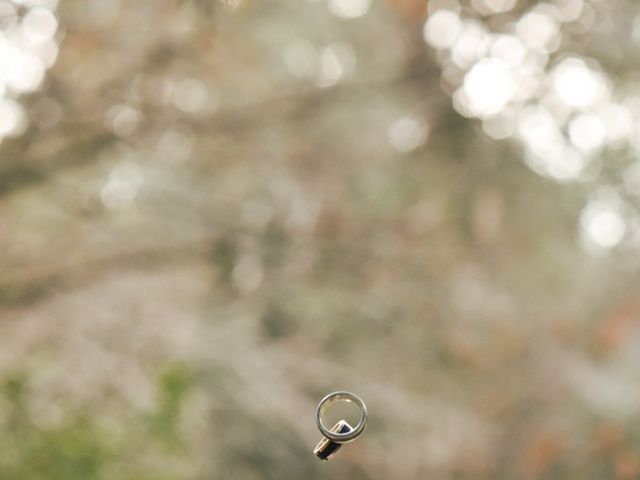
<point x="214" y="213"/>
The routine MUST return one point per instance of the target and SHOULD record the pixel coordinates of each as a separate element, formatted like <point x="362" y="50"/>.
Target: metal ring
<point x="347" y="436"/>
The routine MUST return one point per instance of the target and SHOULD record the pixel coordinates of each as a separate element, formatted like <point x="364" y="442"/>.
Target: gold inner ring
<point x="347" y="397"/>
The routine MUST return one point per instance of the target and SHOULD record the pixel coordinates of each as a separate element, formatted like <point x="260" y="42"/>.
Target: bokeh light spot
<point x="122" y="120"/>
<point x="336" y="61"/>
<point x="407" y="133"/>
<point x="39" y="24"/>
<point x="442" y="29"/>
<point x="122" y="186"/>
<point x="576" y="84"/>
<point x="471" y="45"/>
<point x="349" y="8"/>
<point x="537" y="29"/>
<point x="602" y="224"/>
<point x="190" y="95"/>
<point x="12" y="118"/>
<point x="587" y="132"/>
<point x="489" y="86"/>
<point x="494" y="6"/>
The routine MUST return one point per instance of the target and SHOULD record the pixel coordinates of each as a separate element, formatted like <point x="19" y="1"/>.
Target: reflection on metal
<point x="325" y="447"/>
<point x="341" y="432"/>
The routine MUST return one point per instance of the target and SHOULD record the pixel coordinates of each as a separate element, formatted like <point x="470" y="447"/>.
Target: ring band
<point x="346" y="436"/>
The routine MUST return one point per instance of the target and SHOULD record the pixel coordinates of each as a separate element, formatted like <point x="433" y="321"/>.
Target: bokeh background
<point x="214" y="213"/>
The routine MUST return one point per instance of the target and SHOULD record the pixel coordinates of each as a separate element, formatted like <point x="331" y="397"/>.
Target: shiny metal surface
<point x="344" y="437"/>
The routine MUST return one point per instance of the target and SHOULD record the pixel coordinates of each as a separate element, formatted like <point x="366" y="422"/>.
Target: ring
<point x="346" y="436"/>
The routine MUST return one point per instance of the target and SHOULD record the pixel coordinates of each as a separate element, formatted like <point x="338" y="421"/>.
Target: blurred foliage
<point x="214" y="213"/>
<point x="86" y="446"/>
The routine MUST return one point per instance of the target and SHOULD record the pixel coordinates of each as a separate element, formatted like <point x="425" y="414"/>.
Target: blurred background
<point x="214" y="213"/>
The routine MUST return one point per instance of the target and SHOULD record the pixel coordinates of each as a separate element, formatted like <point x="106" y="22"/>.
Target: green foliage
<point x="173" y="386"/>
<point x="84" y="447"/>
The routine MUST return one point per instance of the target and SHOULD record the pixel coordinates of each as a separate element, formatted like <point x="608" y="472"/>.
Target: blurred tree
<point x="212" y="213"/>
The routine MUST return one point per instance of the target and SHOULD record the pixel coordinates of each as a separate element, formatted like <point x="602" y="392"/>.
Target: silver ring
<point x="346" y="436"/>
